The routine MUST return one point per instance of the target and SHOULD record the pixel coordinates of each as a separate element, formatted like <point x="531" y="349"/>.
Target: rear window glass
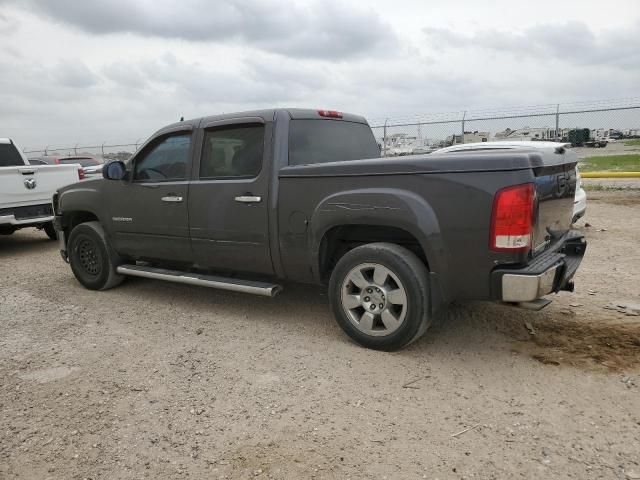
<point x="321" y="141"/>
<point x="9" y="156"/>
<point x="84" y="162"/>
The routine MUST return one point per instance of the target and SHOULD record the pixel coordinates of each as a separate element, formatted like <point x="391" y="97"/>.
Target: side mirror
<point x="114" y="171"/>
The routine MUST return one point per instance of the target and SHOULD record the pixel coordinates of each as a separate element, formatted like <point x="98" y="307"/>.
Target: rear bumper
<point x="550" y="272"/>
<point x="26" y="215"/>
<point x="11" y="220"/>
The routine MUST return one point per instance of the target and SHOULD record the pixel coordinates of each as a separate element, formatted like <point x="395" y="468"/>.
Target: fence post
<point x="384" y="138"/>
<point x="75" y="150"/>
<point x="464" y="115"/>
<point x="102" y="148"/>
<point x="45" y="150"/>
<point x="557" y="121"/>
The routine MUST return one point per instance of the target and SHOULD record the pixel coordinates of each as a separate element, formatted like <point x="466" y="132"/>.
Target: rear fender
<point x="380" y="207"/>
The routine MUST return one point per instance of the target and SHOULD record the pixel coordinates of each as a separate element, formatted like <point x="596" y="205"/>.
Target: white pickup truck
<point x="26" y="191"/>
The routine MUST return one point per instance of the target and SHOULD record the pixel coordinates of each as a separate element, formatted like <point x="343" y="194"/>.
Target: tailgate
<point x="555" y="192"/>
<point x="31" y="185"/>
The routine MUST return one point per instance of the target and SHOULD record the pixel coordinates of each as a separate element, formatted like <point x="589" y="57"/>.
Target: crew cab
<point x="252" y="200"/>
<point x="26" y="190"/>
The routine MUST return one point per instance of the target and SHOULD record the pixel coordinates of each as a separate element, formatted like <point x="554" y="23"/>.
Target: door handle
<point x="171" y="199"/>
<point x="248" y="199"/>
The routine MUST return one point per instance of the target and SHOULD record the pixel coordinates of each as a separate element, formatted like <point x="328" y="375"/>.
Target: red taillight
<point x="512" y="219"/>
<point x="329" y="114"/>
<point x="57" y="161"/>
<point x="81" y="174"/>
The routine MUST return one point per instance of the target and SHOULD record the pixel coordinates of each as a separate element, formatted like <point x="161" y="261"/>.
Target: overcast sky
<point x="117" y="70"/>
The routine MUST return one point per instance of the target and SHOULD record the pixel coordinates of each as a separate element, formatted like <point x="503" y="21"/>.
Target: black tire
<point x="413" y="279"/>
<point x="92" y="260"/>
<point x="50" y="231"/>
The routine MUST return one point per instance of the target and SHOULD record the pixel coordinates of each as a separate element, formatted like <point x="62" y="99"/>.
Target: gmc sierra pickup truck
<point x="251" y="200"/>
<point x="26" y="190"/>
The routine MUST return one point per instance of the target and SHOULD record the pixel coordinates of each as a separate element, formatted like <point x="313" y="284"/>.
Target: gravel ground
<point x="157" y="380"/>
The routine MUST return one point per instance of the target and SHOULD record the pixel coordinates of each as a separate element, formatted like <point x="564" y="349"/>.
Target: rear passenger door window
<point x="165" y="161"/>
<point x="232" y="152"/>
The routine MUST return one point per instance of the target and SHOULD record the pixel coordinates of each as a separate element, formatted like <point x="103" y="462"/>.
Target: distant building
<point x="475" y="137"/>
<point x="526" y="134"/>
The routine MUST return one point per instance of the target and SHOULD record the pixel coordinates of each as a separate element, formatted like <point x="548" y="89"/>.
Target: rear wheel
<point x="92" y="260"/>
<point x="50" y="231"/>
<point x="379" y="294"/>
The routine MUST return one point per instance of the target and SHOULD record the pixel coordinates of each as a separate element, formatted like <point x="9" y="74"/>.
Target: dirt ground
<point x="157" y="380"/>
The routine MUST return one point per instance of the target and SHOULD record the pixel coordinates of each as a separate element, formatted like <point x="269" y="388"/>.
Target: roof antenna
<point x="182" y="119"/>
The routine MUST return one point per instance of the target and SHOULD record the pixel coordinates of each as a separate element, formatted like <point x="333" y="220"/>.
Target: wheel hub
<point x="89" y="257"/>
<point x="374" y="299"/>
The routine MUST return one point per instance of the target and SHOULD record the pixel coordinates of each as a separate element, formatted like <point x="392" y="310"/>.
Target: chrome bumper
<point x="550" y="272"/>
<point x="526" y="288"/>
<point x="11" y="220"/>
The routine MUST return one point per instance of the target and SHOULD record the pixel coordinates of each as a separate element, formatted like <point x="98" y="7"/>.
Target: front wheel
<point x="379" y="294"/>
<point x="92" y="260"/>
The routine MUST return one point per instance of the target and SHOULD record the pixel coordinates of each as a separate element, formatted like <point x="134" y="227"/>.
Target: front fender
<point x="380" y="207"/>
<point x="82" y="197"/>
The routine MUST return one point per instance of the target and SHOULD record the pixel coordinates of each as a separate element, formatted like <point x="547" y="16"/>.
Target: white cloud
<point x="326" y="29"/>
<point x="96" y="70"/>
<point x="572" y="42"/>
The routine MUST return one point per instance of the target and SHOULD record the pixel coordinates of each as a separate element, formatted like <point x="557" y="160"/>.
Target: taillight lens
<point x="81" y="174"/>
<point x="512" y="219"/>
<point x="329" y="114"/>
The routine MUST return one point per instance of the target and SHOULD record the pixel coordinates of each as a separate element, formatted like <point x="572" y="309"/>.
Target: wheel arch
<point x="73" y="218"/>
<point x="372" y="215"/>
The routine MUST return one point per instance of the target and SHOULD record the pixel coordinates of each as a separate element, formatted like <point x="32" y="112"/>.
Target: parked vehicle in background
<point x="90" y="165"/>
<point x="246" y="201"/>
<point x="36" y="161"/>
<point x="580" y="200"/>
<point x="93" y="170"/>
<point x="84" y="161"/>
<point x="582" y="137"/>
<point x="26" y="190"/>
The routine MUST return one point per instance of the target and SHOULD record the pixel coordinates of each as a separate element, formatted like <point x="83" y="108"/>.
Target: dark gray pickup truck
<point x="250" y="200"/>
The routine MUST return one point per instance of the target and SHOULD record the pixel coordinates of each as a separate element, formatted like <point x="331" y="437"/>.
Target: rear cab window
<point x="324" y="140"/>
<point x="10" y="156"/>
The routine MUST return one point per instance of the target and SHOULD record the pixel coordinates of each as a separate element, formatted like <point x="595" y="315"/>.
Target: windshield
<point x="321" y="141"/>
<point x="9" y="156"/>
<point x="85" y="162"/>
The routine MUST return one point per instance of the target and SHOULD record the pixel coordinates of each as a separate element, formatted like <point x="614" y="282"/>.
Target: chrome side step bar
<point x="246" y="286"/>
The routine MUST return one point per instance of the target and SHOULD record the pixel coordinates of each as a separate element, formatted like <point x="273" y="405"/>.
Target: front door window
<point x="164" y="161"/>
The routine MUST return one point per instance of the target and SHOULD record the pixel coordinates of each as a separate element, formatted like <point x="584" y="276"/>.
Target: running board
<point x="246" y="286"/>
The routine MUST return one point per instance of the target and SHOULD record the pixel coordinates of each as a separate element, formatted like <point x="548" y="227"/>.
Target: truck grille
<point x="31" y="211"/>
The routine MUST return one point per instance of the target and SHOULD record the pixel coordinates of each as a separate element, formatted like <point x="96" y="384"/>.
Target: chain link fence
<point x="105" y="150"/>
<point x="586" y="124"/>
